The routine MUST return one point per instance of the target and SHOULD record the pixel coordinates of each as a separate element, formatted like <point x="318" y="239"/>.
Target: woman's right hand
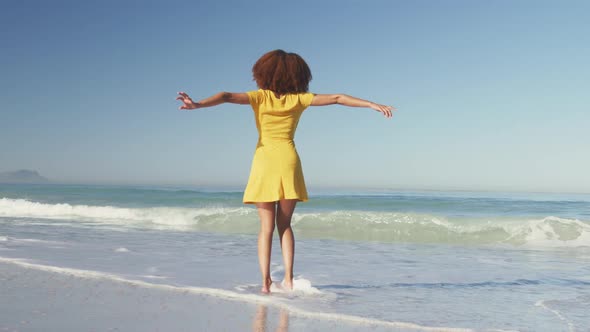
<point x="188" y="103"/>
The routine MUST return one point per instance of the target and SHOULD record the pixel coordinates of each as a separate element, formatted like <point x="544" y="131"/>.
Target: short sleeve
<point x="254" y="98"/>
<point x="306" y="98"/>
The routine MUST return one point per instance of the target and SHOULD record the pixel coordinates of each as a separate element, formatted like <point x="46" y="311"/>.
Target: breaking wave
<point x="549" y="231"/>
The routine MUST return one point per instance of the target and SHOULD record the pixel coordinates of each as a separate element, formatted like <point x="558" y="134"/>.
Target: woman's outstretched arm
<point x="346" y="100"/>
<point x="216" y="99"/>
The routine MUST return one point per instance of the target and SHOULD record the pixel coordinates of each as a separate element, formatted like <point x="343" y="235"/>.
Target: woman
<point x="276" y="180"/>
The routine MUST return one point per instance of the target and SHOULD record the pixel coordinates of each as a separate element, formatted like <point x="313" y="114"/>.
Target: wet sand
<point x="34" y="300"/>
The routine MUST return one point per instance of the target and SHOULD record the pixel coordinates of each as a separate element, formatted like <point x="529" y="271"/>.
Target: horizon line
<point x="225" y="187"/>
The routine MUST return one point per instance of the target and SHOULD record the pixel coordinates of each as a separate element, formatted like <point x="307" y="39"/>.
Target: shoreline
<point x="46" y="297"/>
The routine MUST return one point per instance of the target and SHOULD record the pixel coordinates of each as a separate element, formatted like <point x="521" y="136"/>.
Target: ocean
<point x="416" y="260"/>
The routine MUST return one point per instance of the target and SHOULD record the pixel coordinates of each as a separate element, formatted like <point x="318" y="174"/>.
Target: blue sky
<point x="492" y="95"/>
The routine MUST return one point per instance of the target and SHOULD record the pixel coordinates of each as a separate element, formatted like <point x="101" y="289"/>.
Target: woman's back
<point x="277" y="118"/>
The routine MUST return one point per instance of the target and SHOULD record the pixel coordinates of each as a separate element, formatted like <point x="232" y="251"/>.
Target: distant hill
<point x="22" y="176"/>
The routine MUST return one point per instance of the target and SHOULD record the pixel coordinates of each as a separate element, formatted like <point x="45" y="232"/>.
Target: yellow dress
<point x="276" y="169"/>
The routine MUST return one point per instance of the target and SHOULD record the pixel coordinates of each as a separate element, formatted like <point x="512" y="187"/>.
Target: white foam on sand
<point x="300" y="287"/>
<point x="231" y="295"/>
<point x="15" y="240"/>
<point x="148" y="276"/>
<point x="570" y="325"/>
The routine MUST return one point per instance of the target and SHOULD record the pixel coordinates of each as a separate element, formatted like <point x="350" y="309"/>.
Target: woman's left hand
<point x="188" y="103"/>
<point x="385" y="109"/>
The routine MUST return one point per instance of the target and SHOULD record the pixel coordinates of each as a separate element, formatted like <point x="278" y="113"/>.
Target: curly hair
<point x="282" y="72"/>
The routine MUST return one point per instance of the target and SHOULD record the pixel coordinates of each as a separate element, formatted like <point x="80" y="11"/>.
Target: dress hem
<point x="276" y="200"/>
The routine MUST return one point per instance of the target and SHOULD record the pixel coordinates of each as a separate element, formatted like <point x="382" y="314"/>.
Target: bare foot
<point x="288" y="284"/>
<point x="266" y="286"/>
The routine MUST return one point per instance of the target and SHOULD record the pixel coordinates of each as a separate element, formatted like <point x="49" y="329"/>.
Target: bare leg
<point x="284" y="213"/>
<point x="266" y="212"/>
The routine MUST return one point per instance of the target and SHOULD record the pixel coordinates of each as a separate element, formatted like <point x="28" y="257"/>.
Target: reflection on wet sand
<point x="259" y="321"/>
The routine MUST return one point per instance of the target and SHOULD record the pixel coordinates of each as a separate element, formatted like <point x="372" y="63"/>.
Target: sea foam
<point x="176" y="218"/>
